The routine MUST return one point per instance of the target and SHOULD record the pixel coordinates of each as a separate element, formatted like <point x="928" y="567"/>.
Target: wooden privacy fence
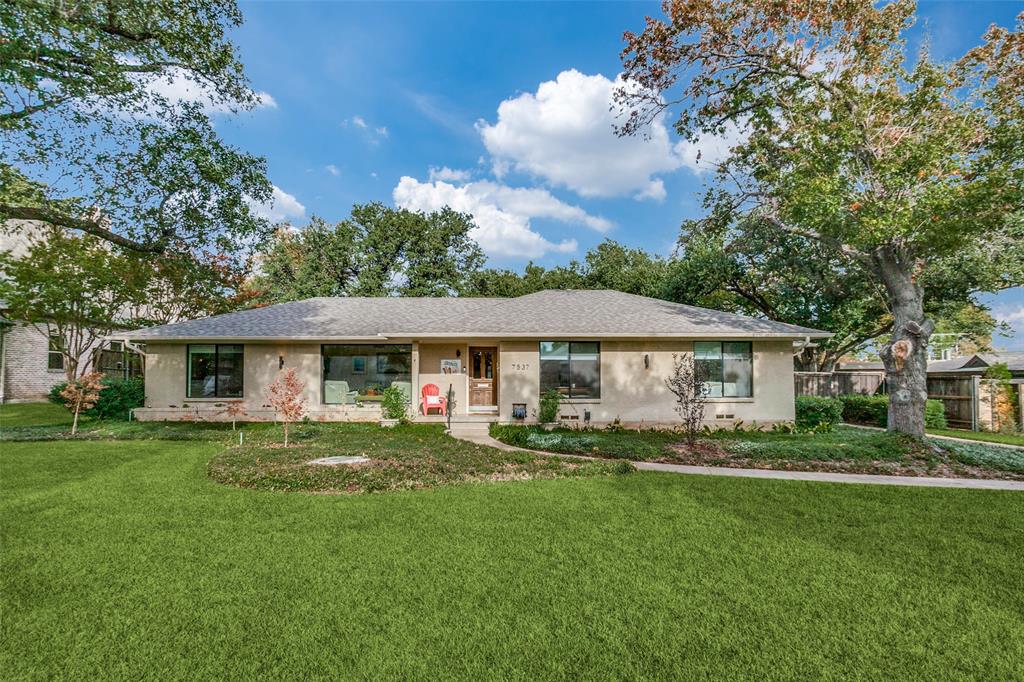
<point x="831" y="384"/>
<point x="959" y="396"/>
<point x="969" y="401"/>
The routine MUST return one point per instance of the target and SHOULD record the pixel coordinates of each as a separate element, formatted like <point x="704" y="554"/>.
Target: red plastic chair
<point x="431" y="399"/>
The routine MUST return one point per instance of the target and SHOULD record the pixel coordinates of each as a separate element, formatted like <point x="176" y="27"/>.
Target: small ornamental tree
<point x="686" y="382"/>
<point x="285" y="394"/>
<point x="82" y="394"/>
<point x="234" y="411"/>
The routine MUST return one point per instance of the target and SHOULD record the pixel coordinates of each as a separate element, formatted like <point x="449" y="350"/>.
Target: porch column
<point x="415" y="378"/>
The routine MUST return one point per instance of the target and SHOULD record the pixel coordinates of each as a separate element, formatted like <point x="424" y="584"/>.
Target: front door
<point x="483" y="377"/>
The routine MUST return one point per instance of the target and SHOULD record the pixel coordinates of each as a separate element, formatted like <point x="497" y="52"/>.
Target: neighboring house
<point x="978" y="363"/>
<point x="606" y="352"/>
<point x="31" y="362"/>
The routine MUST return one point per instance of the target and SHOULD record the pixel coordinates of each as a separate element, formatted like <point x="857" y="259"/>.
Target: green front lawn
<point x="985" y="436"/>
<point x="16" y="415"/>
<point x="123" y="559"/>
<point x="846" y="448"/>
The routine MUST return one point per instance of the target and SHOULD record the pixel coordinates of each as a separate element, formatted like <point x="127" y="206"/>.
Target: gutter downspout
<point x="3" y="363"/>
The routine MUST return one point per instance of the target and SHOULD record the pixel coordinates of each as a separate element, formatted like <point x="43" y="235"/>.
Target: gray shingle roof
<point x="546" y="313"/>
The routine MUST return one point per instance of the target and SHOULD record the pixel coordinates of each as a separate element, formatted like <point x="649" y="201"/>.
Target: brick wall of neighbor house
<point x="26" y="378"/>
<point x="638" y="396"/>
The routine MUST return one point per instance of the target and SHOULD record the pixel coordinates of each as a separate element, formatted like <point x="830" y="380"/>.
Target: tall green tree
<point x="377" y="251"/>
<point x="609" y="265"/>
<point x="908" y="166"/>
<point x="79" y="288"/>
<point x="74" y="288"/>
<point x="92" y="138"/>
<point x="754" y="270"/>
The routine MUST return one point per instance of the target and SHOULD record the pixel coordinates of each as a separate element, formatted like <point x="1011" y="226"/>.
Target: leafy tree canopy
<point x="90" y="142"/>
<point x="609" y="265"/>
<point x="377" y="251"/>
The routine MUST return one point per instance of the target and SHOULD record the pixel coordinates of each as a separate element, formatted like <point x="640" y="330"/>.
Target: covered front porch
<point x="464" y="374"/>
<point x="467" y="370"/>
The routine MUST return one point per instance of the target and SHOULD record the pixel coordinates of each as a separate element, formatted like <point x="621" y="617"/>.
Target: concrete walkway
<point x="482" y="437"/>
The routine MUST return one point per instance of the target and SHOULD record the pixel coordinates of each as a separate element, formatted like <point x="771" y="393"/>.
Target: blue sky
<point x="498" y="109"/>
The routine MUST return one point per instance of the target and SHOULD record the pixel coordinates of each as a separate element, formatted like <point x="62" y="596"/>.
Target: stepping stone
<point x="340" y="459"/>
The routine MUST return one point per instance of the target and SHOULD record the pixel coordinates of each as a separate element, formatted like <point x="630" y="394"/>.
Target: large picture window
<point x="573" y="368"/>
<point x="215" y="370"/>
<point x="728" y="366"/>
<point x="361" y="372"/>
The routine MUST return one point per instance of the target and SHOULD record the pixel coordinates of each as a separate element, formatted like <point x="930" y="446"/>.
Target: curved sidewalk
<point x="778" y="474"/>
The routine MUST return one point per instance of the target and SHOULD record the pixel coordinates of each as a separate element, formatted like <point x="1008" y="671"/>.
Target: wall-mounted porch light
<point x="647" y="361"/>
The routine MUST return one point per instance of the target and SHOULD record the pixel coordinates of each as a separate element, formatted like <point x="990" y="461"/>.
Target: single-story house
<point x="607" y="353"/>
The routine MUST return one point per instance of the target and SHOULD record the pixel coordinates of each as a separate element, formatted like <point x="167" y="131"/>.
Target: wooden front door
<point x="483" y="377"/>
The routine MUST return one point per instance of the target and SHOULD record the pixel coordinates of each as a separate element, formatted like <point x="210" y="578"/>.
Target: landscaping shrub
<point x="117" y="397"/>
<point x="393" y="403"/>
<point x="870" y="410"/>
<point x="549" y="401"/>
<point x="817" y="413"/>
<point x="873" y="410"/>
<point x="934" y="415"/>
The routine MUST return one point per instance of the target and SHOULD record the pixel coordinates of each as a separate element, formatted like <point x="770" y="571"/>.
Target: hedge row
<point x="817" y="413"/>
<point x="873" y="410"/>
<point x="870" y="410"/>
<point x="117" y="397"/>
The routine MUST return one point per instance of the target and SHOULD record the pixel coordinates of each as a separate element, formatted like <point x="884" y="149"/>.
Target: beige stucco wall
<point x="637" y="395"/>
<point x="166" y="379"/>
<point x="430" y="358"/>
<point x="629" y="392"/>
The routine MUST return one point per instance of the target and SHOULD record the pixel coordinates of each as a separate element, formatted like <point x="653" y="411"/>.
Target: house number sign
<point x="519" y="366"/>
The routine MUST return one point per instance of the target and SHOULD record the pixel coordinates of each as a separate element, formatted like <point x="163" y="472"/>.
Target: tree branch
<point x="89" y="226"/>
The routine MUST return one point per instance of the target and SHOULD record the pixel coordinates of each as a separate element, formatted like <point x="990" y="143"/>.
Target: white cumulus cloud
<point x="332" y="169"/>
<point x="502" y="214"/>
<point x="564" y="133"/>
<point x="282" y="206"/>
<point x="447" y="174"/>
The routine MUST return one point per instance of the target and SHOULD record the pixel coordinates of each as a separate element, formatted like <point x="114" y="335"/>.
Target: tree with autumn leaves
<point x="901" y="166"/>
<point x="285" y="395"/>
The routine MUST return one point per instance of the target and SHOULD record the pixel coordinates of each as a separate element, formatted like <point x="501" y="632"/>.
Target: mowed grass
<point x="984" y="436"/>
<point x="17" y="415"/>
<point x="124" y="560"/>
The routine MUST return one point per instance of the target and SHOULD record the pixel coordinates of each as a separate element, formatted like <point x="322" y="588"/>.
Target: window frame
<point x="367" y="358"/>
<point x="568" y="360"/>
<point x="721" y="380"/>
<point x="216" y="375"/>
<point x="51" y="352"/>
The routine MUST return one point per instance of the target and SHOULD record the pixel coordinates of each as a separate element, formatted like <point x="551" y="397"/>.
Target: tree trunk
<point x="906" y="355"/>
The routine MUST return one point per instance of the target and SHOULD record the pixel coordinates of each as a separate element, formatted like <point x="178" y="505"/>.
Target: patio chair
<point x="405" y="387"/>
<point x="337" y="393"/>
<point x="431" y="399"/>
